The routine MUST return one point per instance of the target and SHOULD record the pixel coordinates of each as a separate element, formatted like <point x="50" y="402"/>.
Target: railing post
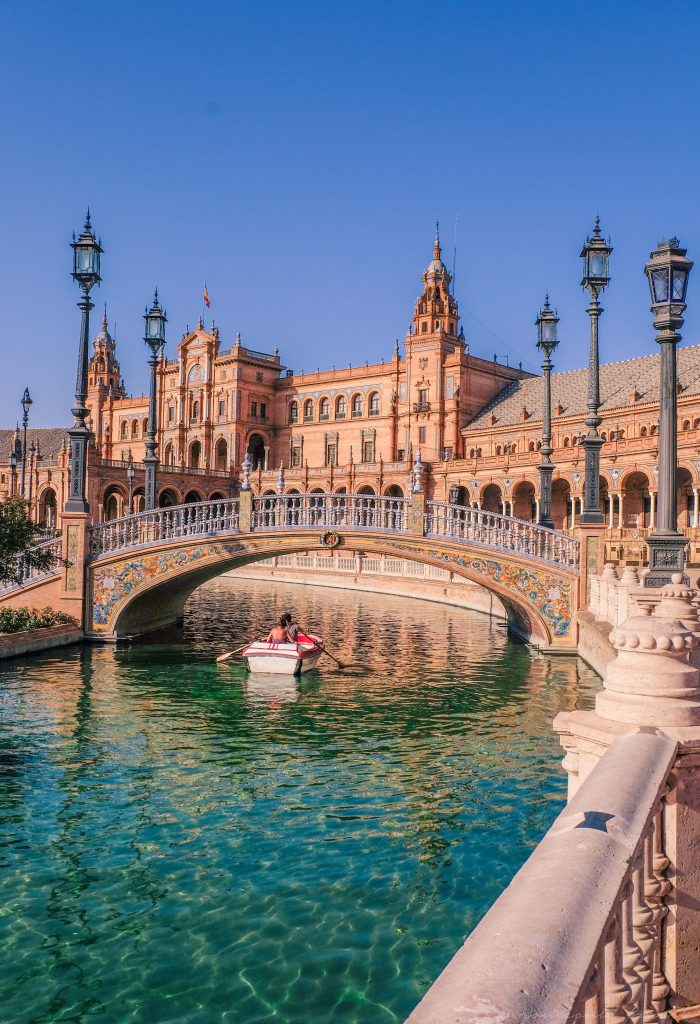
<point x="416" y="514"/>
<point x="74" y="552"/>
<point x="245" y="511"/>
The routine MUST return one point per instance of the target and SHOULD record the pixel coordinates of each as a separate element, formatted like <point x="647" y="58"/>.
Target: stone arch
<point x="256" y="449"/>
<point x="169" y="454"/>
<point x="135" y="592"/>
<point x="221" y="454"/>
<point x="113" y="501"/>
<point x="138" y="501"/>
<point x="561" y="503"/>
<point x="194" y="455"/>
<point x="324" y="408"/>
<point x="367" y="490"/>
<point x="48" y="507"/>
<point x="492" y="498"/>
<point x="356" y="404"/>
<point x="636" y="500"/>
<point x="393" y="491"/>
<point x="168" y="497"/>
<point x="459" y="495"/>
<point x="217" y="496"/>
<point x="192" y="497"/>
<point x="685" y="498"/>
<point x="524" y="506"/>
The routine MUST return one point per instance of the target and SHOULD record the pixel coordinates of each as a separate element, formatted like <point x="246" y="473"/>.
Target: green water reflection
<point x="180" y="842"/>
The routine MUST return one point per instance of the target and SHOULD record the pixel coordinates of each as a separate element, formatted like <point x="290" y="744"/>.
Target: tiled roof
<point x="617" y="382"/>
<point x="49" y="440"/>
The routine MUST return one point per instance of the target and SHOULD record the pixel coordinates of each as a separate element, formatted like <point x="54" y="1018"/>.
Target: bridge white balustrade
<point x="313" y="511"/>
<point x="502" y="532"/>
<point x="192" y="520"/>
<point x="577" y="935"/>
<point x="29" y="574"/>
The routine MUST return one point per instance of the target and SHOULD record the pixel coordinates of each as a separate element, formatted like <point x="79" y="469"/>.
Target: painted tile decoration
<point x="549" y="593"/>
<point x="113" y="582"/>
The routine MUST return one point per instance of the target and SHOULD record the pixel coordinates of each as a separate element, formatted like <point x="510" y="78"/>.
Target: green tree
<point x="19" y="538"/>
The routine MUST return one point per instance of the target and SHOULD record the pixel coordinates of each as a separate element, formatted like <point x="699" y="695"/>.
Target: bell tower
<point x="436" y="310"/>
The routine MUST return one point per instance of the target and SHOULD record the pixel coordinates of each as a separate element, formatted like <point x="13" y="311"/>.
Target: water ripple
<point x="182" y="842"/>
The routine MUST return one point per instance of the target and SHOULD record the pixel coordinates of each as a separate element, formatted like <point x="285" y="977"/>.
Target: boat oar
<point x="230" y="654"/>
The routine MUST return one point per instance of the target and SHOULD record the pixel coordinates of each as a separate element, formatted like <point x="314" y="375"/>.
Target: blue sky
<point x="296" y="155"/>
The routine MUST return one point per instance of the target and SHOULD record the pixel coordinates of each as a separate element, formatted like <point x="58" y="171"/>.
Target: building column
<point x="619" y="510"/>
<point x="696" y="492"/>
<point x="652" y="509"/>
<point x="267" y="457"/>
<point x="537" y="509"/>
<point x="611" y="500"/>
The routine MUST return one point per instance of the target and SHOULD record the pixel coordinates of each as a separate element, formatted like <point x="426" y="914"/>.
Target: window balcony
<point x="421" y="406"/>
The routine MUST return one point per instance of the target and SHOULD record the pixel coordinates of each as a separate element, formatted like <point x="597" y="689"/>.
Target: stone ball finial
<point x="651" y="635"/>
<point x="676" y="600"/>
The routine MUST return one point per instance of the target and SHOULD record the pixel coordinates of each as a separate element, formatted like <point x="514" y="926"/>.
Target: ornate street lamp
<point x="86" y="271"/>
<point x="667" y="272"/>
<point x="26" y="403"/>
<point x="155" y="339"/>
<point x="13" y="472"/>
<point x="32" y="454"/>
<point x="595" y="255"/>
<point x="130" y="474"/>
<point x="547" y="341"/>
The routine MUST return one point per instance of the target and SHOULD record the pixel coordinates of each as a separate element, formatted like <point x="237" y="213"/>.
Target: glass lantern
<point x="155" y="325"/>
<point x="667" y="273"/>
<point x="86" y="257"/>
<point x="546" y="323"/>
<point x="595" y="255"/>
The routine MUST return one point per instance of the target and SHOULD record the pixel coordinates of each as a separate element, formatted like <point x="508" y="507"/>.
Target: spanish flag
<point x="207" y="303"/>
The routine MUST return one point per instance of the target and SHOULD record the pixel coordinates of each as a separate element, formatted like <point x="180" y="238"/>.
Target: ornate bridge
<point x="140" y="570"/>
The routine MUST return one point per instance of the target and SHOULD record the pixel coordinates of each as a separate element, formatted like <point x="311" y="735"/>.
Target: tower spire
<point x="437" y="252"/>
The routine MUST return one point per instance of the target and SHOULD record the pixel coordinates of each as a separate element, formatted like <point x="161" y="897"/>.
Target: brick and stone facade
<point x="477" y="423"/>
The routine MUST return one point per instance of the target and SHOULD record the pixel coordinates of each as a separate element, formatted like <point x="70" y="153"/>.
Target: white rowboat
<point x="284" y="658"/>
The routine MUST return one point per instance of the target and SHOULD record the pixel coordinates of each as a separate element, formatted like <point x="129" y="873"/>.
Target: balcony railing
<point x="331" y="511"/>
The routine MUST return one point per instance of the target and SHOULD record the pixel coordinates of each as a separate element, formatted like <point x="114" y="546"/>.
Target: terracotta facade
<point x="476" y="422"/>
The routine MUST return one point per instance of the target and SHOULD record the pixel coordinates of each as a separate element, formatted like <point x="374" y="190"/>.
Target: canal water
<point x="183" y="843"/>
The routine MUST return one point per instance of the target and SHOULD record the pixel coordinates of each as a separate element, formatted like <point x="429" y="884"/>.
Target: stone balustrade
<point x="576" y="936"/>
<point x="28" y="574"/>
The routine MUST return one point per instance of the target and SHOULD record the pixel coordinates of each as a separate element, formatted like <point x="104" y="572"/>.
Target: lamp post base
<point x="666" y="556"/>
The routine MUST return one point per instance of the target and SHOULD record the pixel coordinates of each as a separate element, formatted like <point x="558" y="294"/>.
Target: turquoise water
<point x="180" y="842"/>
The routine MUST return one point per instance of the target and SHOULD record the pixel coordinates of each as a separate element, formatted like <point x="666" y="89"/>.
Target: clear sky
<point x="296" y="155"/>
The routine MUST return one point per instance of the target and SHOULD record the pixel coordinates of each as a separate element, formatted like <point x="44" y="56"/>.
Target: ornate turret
<point x="436" y="309"/>
<point x="103" y="369"/>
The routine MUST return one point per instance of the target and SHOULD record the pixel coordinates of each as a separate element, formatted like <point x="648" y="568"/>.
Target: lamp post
<point x="547" y="341"/>
<point x="667" y="273"/>
<point x="130" y="474"/>
<point x="32" y="453"/>
<point x="155" y="339"/>
<point x="86" y="271"/>
<point x="13" y="472"/>
<point x="595" y="255"/>
<point x="26" y="403"/>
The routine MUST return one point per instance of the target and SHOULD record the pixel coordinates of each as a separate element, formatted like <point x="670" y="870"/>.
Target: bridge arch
<point x="132" y="592"/>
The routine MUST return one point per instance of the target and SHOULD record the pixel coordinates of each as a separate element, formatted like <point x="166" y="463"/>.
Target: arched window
<point x="340" y="407"/>
<point x="686" y="424"/>
<point x="696" y="424"/>
<point x="308" y="410"/>
<point x="654" y="429"/>
<point x="498" y="449"/>
<point x="135" y="428"/>
<point x="293" y="412"/>
<point x="324" y="409"/>
<point x="567" y="442"/>
<point x="642" y="431"/>
<point x="195" y="410"/>
<point x="620" y="434"/>
<point x="169" y="454"/>
<point x="604" y="436"/>
<point x="125" y="430"/>
<point x="195" y="455"/>
<point x="531" y="446"/>
<point x="357" y="405"/>
<point x="221" y="454"/>
<point x="374" y="403"/>
<point x="145" y="427"/>
<point x="471" y="453"/>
